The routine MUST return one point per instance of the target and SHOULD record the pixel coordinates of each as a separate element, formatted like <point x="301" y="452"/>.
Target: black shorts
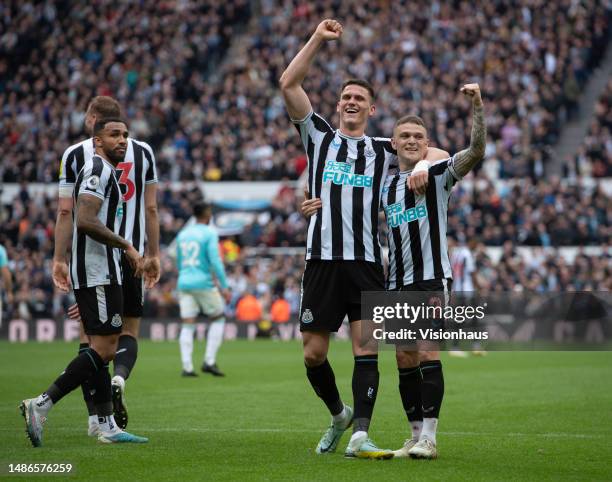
<point x="101" y="309"/>
<point x="441" y="298"/>
<point x="332" y="290"/>
<point x="133" y="291"/>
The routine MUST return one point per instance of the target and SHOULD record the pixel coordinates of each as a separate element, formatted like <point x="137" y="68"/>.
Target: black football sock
<point x="86" y="387"/>
<point x="125" y="359"/>
<point x="84" y="366"/>
<point x="103" y="393"/>
<point x="365" y="388"/>
<point x="410" y="386"/>
<point x="323" y="381"/>
<point x="433" y="388"/>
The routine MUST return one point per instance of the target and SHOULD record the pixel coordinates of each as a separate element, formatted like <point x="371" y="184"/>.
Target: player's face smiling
<point x="410" y="141"/>
<point x="355" y="106"/>
<point x="114" y="141"/>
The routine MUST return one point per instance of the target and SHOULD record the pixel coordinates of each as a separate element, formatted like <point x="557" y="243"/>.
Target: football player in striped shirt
<point x="137" y="175"/>
<point x="96" y="277"/>
<point x="418" y="256"/>
<point x="419" y="261"/>
<point x="346" y="170"/>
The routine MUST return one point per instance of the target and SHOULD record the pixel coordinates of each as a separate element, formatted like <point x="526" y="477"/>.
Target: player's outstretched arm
<point x="297" y="102"/>
<point x="465" y="160"/>
<point x="88" y="223"/>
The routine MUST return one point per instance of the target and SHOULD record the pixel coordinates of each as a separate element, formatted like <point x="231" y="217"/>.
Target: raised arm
<point x="296" y="101"/>
<point x="466" y="159"/>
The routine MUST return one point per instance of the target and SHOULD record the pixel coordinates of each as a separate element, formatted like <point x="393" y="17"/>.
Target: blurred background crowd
<point x="544" y="215"/>
<point x="198" y="81"/>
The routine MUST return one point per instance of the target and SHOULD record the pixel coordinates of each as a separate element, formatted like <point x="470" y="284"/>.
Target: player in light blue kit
<point x="197" y="259"/>
<point x="7" y="281"/>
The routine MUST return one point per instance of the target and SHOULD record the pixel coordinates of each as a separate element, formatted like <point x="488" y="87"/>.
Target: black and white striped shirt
<point x="416" y="234"/>
<point x="94" y="263"/>
<point x="134" y="172"/>
<point x="348" y="174"/>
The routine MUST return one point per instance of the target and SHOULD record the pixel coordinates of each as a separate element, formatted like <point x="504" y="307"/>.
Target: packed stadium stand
<point x="198" y="80"/>
<point x="232" y="125"/>
<point x="594" y="157"/>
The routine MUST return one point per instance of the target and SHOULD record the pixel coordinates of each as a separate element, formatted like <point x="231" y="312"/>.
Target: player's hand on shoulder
<point x="419" y="178"/>
<point x="152" y="271"/>
<point x="418" y="182"/>
<point x="310" y="206"/>
<point x="434" y="154"/>
<point x="472" y="91"/>
<point x="61" y="278"/>
<point x="329" y="29"/>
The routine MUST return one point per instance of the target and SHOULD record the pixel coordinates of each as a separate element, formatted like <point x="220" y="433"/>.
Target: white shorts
<point x="209" y="302"/>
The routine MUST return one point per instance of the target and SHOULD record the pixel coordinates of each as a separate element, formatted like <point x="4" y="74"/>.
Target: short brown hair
<point x="104" y="106"/>
<point x="410" y="119"/>
<point x="362" y="83"/>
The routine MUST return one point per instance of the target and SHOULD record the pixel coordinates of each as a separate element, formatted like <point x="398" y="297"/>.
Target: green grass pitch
<point x="508" y="416"/>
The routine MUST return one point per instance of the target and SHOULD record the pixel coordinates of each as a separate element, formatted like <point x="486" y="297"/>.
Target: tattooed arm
<point x="465" y="160"/>
<point x="88" y="223"/>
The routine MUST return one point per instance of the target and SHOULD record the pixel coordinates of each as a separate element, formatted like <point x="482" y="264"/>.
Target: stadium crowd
<point x="594" y="157"/>
<point x="225" y="120"/>
<point x="271" y="277"/>
<point x="540" y="214"/>
<point x="152" y="56"/>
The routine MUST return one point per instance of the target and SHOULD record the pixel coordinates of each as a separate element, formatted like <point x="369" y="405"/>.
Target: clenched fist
<point x="473" y="91"/>
<point x="329" y="30"/>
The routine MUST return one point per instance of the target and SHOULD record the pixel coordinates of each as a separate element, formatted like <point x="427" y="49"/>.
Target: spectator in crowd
<point x="249" y="309"/>
<point x="594" y="158"/>
<point x="549" y="213"/>
<point x="280" y="311"/>
<point x="211" y="116"/>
